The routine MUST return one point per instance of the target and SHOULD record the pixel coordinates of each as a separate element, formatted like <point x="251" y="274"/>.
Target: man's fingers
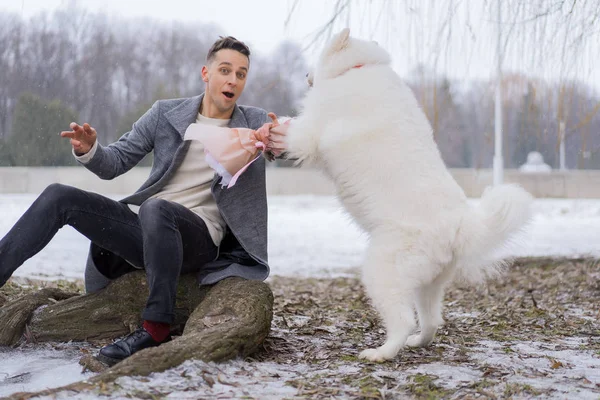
<point x="273" y="118"/>
<point x="276" y="145"/>
<point x="81" y="129"/>
<point x="69" y="134"/>
<point x="277" y="139"/>
<point x="88" y="129"/>
<point x="279" y="130"/>
<point x="76" y="135"/>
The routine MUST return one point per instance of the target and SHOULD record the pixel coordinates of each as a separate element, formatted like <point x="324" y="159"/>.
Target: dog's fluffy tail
<point x="502" y="211"/>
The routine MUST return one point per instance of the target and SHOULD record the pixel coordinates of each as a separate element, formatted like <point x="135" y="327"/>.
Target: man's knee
<point x="57" y="192"/>
<point x="154" y="211"/>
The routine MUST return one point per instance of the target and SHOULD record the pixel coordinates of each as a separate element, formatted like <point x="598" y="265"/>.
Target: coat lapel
<point x="184" y="114"/>
<point x="238" y="119"/>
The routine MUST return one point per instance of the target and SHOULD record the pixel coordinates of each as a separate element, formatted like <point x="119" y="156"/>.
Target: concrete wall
<point x="293" y="181"/>
<point x="35" y="179"/>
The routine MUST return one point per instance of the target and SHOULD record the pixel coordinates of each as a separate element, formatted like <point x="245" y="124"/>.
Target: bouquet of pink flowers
<point x="230" y="151"/>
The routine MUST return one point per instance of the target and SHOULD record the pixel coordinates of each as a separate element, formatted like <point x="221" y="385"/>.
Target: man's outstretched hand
<point x="277" y="136"/>
<point x="82" y="137"/>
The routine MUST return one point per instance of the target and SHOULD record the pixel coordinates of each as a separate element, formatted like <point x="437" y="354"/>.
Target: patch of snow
<point x="564" y="366"/>
<point x="30" y="369"/>
<point x="448" y="376"/>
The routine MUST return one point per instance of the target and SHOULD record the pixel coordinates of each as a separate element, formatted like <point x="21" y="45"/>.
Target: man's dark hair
<point x="228" y="42"/>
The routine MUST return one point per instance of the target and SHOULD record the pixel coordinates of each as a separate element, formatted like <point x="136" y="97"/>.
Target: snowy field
<point x="312" y="236"/>
<point x="309" y="237"/>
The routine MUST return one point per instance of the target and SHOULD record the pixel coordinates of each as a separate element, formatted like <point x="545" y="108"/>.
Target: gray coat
<point x="243" y="251"/>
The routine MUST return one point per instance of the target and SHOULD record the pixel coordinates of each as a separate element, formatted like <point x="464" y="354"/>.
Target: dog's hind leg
<point x="392" y="295"/>
<point x="429" y="309"/>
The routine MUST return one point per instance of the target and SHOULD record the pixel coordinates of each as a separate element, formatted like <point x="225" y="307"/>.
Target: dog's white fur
<point x="365" y="129"/>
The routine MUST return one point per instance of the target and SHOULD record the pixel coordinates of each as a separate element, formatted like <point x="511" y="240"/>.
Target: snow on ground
<point x="560" y="366"/>
<point x="309" y="236"/>
<point x="535" y="368"/>
<point x="36" y="368"/>
<point x="312" y="236"/>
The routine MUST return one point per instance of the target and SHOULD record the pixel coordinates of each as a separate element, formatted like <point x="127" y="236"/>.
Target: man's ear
<point x="205" y="73"/>
<point x="339" y="41"/>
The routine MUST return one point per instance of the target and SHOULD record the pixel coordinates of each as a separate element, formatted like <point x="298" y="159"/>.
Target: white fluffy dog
<point x="364" y="128"/>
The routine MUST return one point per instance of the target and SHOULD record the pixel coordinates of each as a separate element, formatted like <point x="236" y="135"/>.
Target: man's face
<point x="225" y="78"/>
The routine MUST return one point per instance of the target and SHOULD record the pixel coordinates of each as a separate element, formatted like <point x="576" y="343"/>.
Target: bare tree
<point x="108" y="69"/>
<point x="543" y="40"/>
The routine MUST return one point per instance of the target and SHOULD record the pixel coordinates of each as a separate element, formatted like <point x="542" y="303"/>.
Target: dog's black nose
<point x="307" y="74"/>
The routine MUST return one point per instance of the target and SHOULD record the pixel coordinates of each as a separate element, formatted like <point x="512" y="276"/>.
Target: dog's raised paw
<point x="375" y="355"/>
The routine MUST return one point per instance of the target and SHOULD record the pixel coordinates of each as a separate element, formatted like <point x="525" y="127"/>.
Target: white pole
<point x="561" y="148"/>
<point x="498" y="161"/>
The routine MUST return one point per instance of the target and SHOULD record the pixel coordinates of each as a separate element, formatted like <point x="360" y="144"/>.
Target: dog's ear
<point x="339" y="41"/>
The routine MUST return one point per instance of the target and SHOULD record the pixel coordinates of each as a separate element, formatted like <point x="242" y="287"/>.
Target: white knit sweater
<point x="190" y="184"/>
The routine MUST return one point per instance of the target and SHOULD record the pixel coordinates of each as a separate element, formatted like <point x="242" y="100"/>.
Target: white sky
<point x="466" y="49"/>
<point x="258" y="23"/>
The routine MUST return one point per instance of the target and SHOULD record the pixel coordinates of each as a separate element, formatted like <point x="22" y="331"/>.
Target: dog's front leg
<point x="303" y="141"/>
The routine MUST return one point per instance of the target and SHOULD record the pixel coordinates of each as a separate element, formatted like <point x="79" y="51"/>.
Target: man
<point x="179" y="221"/>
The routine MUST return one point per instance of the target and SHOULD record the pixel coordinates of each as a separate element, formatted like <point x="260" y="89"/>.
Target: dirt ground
<point x="533" y="333"/>
<point x="518" y="336"/>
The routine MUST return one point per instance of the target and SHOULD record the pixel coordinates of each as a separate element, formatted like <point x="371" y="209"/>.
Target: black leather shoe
<point x="132" y="343"/>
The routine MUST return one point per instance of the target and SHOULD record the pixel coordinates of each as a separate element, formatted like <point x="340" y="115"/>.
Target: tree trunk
<point x="233" y="320"/>
<point x="14" y="315"/>
<point x="109" y="313"/>
<point x="229" y="319"/>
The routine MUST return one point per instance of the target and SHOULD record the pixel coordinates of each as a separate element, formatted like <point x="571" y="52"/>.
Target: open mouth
<point x="229" y="95"/>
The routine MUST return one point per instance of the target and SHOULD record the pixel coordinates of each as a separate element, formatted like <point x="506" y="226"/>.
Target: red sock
<point x="158" y="330"/>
